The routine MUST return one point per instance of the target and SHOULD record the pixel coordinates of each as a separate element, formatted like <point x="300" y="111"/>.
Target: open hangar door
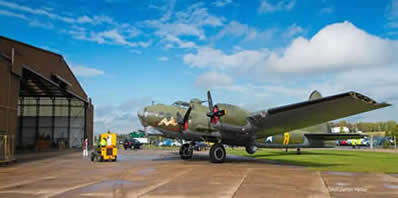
<point x="48" y="115"/>
<point x="42" y="104"/>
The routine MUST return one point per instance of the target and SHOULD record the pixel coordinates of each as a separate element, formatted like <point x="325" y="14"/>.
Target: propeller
<point x="214" y="113"/>
<point x="183" y="121"/>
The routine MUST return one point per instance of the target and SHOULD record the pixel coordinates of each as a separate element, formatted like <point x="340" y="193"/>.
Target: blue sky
<point x="257" y="54"/>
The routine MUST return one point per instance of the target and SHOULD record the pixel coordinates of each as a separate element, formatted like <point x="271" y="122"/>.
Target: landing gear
<point x="186" y="151"/>
<point x="298" y="151"/>
<point x="217" y="153"/>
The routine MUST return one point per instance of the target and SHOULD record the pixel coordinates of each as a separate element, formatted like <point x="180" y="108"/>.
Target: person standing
<point x="85" y="148"/>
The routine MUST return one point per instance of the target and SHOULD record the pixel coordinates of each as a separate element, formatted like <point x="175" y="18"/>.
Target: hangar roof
<point x="48" y="65"/>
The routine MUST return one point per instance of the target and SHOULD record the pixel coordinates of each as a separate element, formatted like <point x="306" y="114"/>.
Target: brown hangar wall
<point x="46" y="65"/>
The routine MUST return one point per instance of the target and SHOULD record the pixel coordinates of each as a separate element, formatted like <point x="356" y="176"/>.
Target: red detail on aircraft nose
<point x="185" y="125"/>
<point x="215" y="119"/>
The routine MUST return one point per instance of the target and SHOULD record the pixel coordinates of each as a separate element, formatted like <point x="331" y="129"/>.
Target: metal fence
<point x="7" y="148"/>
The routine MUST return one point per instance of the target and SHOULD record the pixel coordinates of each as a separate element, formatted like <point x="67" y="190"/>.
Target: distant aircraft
<point x="231" y="125"/>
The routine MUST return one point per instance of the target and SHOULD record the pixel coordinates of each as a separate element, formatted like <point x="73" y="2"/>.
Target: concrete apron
<point x="163" y="174"/>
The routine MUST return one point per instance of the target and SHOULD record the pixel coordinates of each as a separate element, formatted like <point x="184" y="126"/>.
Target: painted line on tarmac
<point x="240" y="182"/>
<point x="73" y="188"/>
<point x="153" y="187"/>
<point x="325" y="186"/>
<point x="25" y="182"/>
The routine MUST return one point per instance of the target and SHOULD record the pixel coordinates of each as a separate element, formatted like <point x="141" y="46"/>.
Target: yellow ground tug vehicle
<point x="106" y="149"/>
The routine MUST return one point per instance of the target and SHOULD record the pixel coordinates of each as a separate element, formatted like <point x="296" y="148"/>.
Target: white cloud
<point x="391" y="14"/>
<point x="212" y="80"/>
<point x="113" y="36"/>
<point x="12" y="14"/>
<point x="378" y="82"/>
<point x="236" y="29"/>
<point x="177" y="29"/>
<point x="172" y="40"/>
<point x="37" y="23"/>
<point x="222" y="3"/>
<point x="210" y="57"/>
<point x="284" y="5"/>
<point x="115" y="33"/>
<point x="84" y="71"/>
<point x="336" y="46"/>
<point x="135" y="51"/>
<point x="294" y="30"/>
<point x="163" y="58"/>
<point x="33" y="11"/>
<point x="119" y="118"/>
<point x="392" y="10"/>
<point x="327" y="10"/>
<point x="85" y="19"/>
<point x="189" y="22"/>
<point x="95" y="20"/>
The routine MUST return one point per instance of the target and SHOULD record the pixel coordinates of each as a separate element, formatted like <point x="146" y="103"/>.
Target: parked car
<point x="131" y="144"/>
<point x="343" y="143"/>
<point x="169" y="142"/>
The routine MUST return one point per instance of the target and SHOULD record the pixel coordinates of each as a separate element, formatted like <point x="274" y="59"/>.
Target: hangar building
<point x="42" y="105"/>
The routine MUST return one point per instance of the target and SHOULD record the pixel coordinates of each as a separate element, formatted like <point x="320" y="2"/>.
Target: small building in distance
<point x="338" y="130"/>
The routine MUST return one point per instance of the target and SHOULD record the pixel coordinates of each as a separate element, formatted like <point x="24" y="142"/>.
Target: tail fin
<point x="320" y="128"/>
<point x="315" y="95"/>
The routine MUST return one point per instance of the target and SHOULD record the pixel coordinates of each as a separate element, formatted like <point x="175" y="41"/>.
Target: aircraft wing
<point x="332" y="136"/>
<point x="299" y="115"/>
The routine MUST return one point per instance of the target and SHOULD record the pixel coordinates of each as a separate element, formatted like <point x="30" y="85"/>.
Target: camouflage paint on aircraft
<point x="305" y="121"/>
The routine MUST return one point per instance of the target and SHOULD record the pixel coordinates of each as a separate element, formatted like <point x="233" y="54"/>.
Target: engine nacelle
<point x="251" y="149"/>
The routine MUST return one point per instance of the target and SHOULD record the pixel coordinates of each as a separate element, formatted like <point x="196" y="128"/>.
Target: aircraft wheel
<point x="186" y="151"/>
<point x="217" y="153"/>
<point x="298" y="151"/>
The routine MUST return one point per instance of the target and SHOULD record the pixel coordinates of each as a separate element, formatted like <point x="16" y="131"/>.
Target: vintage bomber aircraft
<point x="231" y="125"/>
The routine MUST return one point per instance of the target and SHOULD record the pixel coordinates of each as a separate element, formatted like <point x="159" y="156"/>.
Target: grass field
<point x="330" y="160"/>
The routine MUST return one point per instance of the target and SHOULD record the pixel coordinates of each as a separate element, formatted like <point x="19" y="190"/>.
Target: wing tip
<point x="366" y="99"/>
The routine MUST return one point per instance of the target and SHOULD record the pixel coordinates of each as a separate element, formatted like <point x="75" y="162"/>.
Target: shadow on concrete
<point x="198" y="157"/>
<point x="312" y="153"/>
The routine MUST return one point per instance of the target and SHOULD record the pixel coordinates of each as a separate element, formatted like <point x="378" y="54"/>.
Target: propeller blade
<point x="210" y="100"/>
<point x="183" y="122"/>
<point x="186" y="117"/>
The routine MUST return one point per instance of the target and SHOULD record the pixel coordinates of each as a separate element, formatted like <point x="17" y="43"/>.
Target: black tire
<point x="114" y="160"/>
<point x="217" y="153"/>
<point x="186" y="152"/>
<point x="92" y="157"/>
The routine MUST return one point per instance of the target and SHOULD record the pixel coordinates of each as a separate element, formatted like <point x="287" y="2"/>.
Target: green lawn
<point x="330" y="160"/>
<point x="153" y="147"/>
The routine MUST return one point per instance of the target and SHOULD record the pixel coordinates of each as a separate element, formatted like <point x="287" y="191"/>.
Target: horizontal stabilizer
<point x="331" y="136"/>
